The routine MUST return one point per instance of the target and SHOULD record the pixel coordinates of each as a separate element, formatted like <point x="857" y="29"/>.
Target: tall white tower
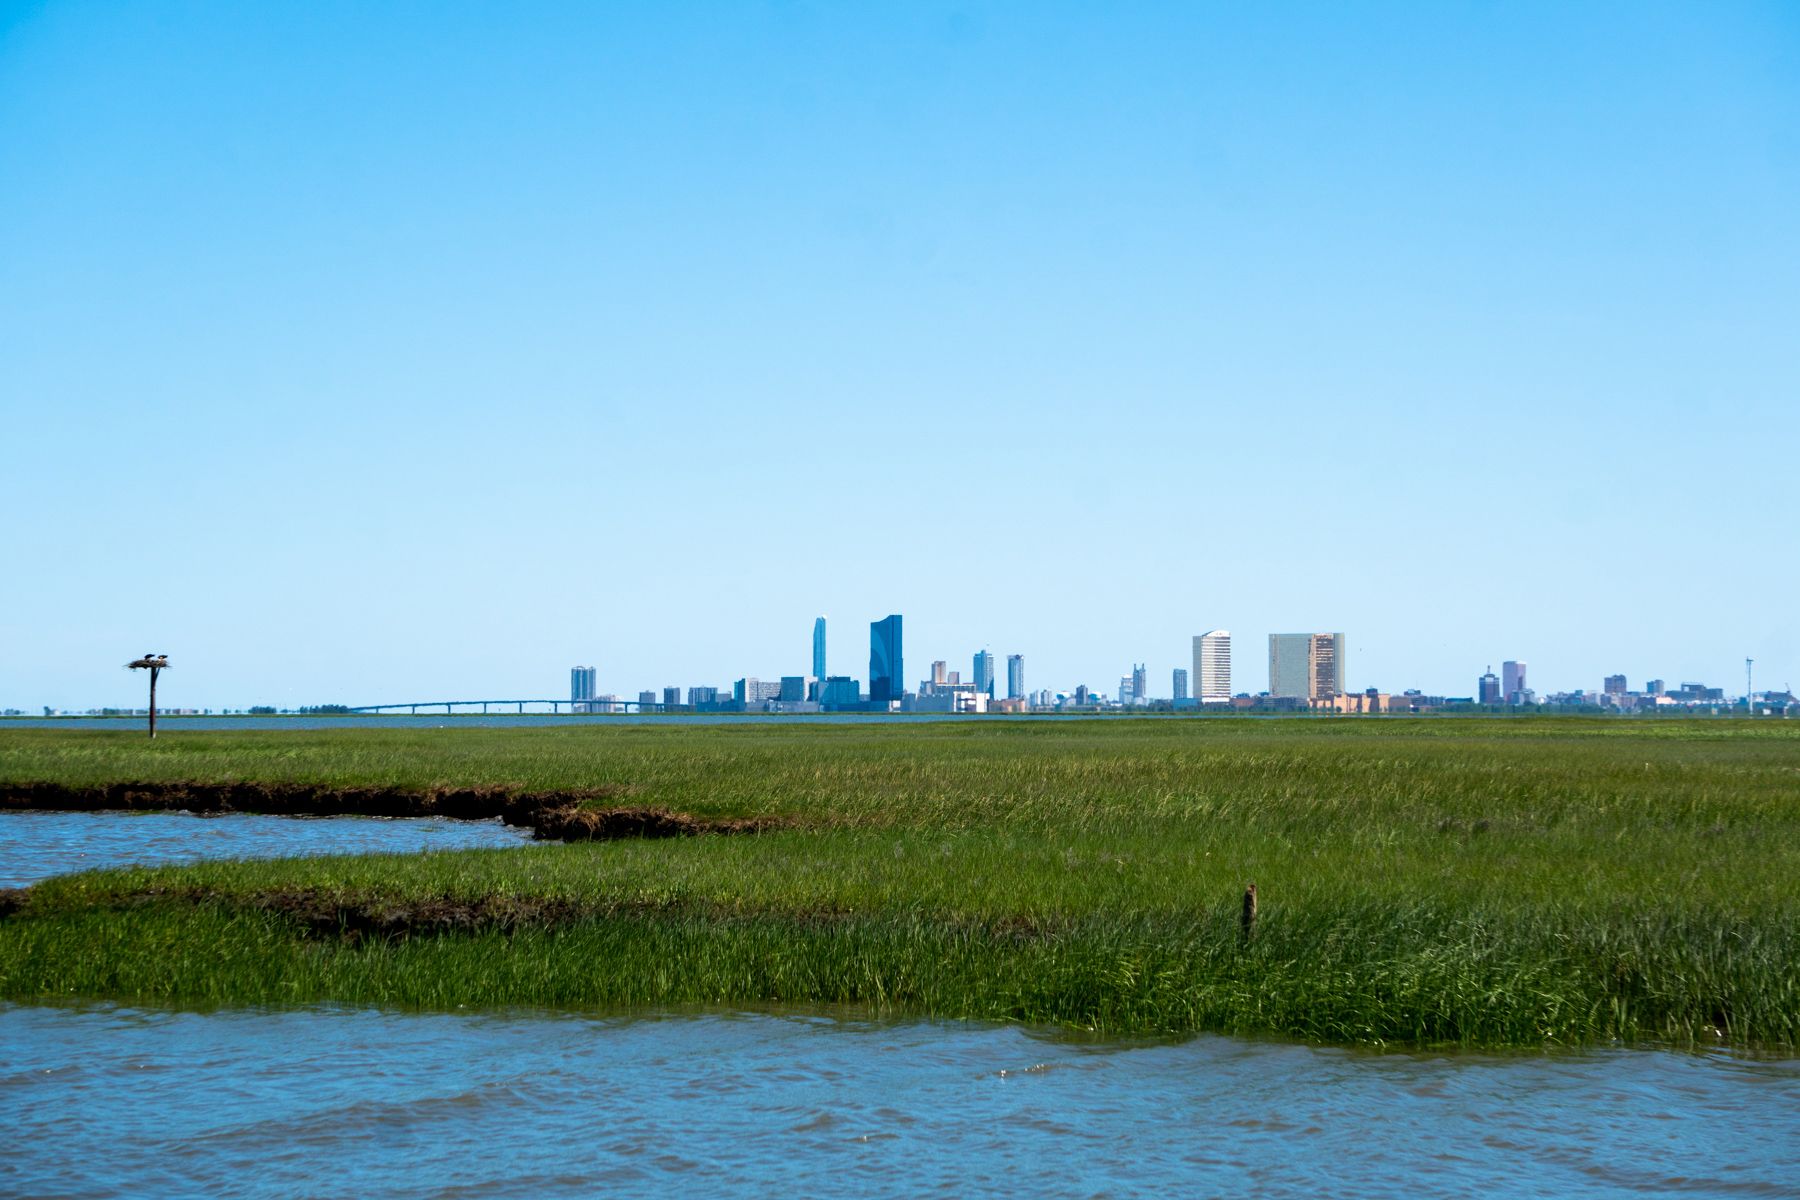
<point x="1212" y="667"/>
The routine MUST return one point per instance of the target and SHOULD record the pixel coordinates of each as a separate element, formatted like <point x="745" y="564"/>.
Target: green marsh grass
<point x="1476" y="882"/>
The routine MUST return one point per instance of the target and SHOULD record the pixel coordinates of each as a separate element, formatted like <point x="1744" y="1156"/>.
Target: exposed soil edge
<point x="325" y="916"/>
<point x="572" y="815"/>
<point x="354" y="916"/>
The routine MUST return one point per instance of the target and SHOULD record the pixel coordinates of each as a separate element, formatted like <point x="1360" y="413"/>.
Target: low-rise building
<point x="751" y="692"/>
<point x="839" y="692"/>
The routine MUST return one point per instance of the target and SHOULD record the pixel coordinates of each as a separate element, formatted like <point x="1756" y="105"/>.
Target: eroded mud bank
<point x="574" y="815"/>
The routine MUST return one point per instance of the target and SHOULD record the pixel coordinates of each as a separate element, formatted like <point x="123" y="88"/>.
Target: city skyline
<point x="617" y="674"/>
<point x="1317" y="662"/>
<point x="1305" y="667"/>
<point x="1316" y="665"/>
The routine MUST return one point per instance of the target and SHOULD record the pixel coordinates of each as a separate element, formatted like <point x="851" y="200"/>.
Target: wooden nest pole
<point x="156" y="664"/>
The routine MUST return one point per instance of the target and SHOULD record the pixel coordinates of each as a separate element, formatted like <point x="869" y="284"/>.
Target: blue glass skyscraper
<point x="818" y="671"/>
<point x="887" y="674"/>
<point x="984" y="673"/>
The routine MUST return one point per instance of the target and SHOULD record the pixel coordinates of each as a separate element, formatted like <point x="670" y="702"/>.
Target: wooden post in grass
<point x="155" y="664"/>
<point x="1248" y="919"/>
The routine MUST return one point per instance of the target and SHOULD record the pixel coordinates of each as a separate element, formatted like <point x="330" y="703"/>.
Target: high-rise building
<point x="583" y="685"/>
<point x="1309" y="666"/>
<point x="1615" y="685"/>
<point x="672" y="697"/>
<point x="1140" y="684"/>
<point x="1512" y="682"/>
<point x="698" y="696"/>
<point x="646" y="700"/>
<point x="1127" y="691"/>
<point x="984" y="673"/>
<point x="1180" y="684"/>
<point x="1212" y="667"/>
<point x="1488" y="688"/>
<point x="940" y="673"/>
<point x="1015" y="677"/>
<point x="886" y="679"/>
<point x="1328" y="664"/>
<point x="819" y="648"/>
<point x="797" y="687"/>
<point x="1289" y="673"/>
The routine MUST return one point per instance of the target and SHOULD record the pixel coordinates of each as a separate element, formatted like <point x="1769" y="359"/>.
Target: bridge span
<point x="581" y="707"/>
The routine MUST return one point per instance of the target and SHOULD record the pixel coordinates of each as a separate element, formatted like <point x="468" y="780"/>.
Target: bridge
<point x="583" y="707"/>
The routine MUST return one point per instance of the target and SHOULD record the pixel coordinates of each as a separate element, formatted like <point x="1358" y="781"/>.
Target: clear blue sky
<point x="383" y="352"/>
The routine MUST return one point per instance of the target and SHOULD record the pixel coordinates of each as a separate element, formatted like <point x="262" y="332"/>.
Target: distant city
<point x="1305" y="673"/>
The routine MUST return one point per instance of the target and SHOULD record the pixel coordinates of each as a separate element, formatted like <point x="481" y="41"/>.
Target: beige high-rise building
<point x="1212" y="667"/>
<point x="1309" y="666"/>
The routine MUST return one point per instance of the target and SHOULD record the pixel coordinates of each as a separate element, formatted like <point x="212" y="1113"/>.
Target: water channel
<point x="104" y="1100"/>
<point x="36" y="845"/>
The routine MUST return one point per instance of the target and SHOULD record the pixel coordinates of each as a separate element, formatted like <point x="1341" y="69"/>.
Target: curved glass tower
<point x="818" y="671"/>
<point x="887" y="677"/>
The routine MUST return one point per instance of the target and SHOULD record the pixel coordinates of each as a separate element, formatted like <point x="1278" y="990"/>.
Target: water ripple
<point x="106" y="1101"/>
